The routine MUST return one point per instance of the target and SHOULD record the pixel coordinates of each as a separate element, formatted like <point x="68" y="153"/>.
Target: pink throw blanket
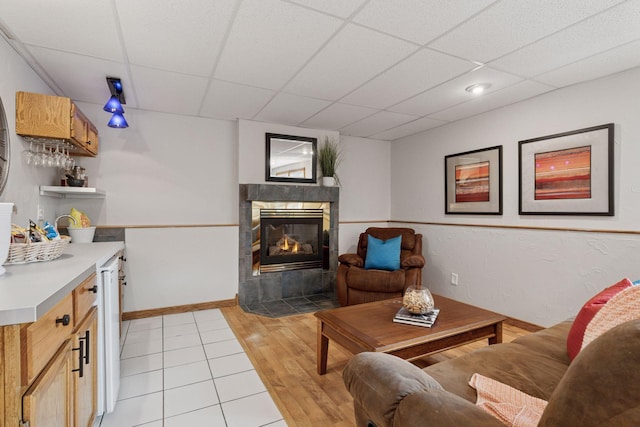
<point x="511" y="406"/>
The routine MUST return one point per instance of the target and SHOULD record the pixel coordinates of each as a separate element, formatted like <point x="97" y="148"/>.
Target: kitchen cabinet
<point x="47" y="117"/>
<point x="84" y="132"/>
<point x="50" y="372"/>
<point x="46" y="402"/>
<point x="86" y="361"/>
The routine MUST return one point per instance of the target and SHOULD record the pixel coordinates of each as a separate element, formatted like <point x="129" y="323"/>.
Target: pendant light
<point x="114" y="104"/>
<point x="118" y="121"/>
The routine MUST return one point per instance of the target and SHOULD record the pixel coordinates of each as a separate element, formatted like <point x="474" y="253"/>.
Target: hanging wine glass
<point x="43" y="156"/>
<point x="70" y="161"/>
<point x="59" y="160"/>
<point x="51" y="159"/>
<point x="29" y="154"/>
<point x="38" y="160"/>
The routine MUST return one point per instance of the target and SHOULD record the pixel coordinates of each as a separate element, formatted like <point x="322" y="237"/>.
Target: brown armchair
<point x="355" y="285"/>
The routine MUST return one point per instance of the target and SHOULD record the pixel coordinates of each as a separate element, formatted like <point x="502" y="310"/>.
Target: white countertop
<point x="27" y="291"/>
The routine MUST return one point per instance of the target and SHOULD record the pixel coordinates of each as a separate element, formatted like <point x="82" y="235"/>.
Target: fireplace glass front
<point x="290" y="239"/>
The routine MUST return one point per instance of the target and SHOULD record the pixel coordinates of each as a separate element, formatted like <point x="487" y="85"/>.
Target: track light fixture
<point x="114" y="104"/>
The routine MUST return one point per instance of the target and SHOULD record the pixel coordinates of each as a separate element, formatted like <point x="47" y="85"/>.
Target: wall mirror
<point x="290" y="158"/>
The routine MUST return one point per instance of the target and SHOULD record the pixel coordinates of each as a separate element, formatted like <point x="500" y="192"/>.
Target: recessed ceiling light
<point x="477" y="89"/>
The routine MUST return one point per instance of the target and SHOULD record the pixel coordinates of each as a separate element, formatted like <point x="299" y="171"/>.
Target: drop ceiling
<point x="380" y="69"/>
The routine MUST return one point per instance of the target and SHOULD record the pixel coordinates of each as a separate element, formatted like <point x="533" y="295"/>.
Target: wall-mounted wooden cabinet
<point x="55" y="117"/>
<point x="49" y="375"/>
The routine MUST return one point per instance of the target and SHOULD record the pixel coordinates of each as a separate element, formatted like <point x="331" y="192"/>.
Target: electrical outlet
<point x="454" y="279"/>
<point x="40" y="215"/>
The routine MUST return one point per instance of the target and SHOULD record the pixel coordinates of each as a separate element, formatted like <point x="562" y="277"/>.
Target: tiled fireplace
<point x="288" y="247"/>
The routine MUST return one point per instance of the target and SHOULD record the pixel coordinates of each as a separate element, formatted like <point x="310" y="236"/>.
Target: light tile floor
<point x="188" y="369"/>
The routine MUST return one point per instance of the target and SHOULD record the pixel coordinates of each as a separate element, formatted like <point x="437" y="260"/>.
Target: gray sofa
<point x="601" y="387"/>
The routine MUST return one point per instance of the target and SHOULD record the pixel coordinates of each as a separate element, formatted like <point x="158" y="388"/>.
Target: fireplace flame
<point x="285" y="246"/>
<point x="295" y="248"/>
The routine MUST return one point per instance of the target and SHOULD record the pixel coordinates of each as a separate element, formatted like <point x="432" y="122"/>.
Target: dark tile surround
<point x="291" y="306"/>
<point x="288" y="292"/>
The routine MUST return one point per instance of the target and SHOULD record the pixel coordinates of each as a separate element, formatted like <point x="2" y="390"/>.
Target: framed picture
<point x="473" y="182"/>
<point x="569" y="173"/>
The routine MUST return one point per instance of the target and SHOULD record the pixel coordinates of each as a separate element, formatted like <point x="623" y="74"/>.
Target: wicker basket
<point x="21" y="253"/>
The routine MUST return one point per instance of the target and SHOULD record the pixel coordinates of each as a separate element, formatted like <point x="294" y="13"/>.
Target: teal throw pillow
<point x="383" y="254"/>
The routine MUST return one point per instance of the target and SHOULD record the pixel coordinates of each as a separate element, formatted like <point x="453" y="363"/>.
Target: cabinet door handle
<point x="93" y="289"/>
<point x="124" y="283"/>
<point x="123" y="258"/>
<point x="65" y="320"/>
<point x="87" y="345"/>
<point x="80" y="349"/>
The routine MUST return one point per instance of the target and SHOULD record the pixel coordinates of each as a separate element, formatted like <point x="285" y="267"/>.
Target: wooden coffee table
<point x="370" y="327"/>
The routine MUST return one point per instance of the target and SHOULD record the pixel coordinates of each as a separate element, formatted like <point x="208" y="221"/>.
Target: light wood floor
<point x="283" y="350"/>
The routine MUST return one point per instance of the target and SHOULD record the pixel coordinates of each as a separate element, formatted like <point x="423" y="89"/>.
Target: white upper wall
<point x="163" y="169"/>
<point x="365" y="175"/>
<point x="252" y="147"/>
<point x="418" y="161"/>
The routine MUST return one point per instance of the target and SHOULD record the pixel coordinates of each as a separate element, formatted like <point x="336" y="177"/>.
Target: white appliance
<point x="108" y="336"/>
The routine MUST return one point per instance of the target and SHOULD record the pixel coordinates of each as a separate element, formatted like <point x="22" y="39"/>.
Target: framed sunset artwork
<point x="569" y="173"/>
<point x="473" y="182"/>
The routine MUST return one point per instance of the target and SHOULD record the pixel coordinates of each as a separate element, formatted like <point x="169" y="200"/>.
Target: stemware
<point x="38" y="159"/>
<point x="50" y="159"/>
<point x="58" y="157"/>
<point x="29" y="155"/>
<point x="70" y="161"/>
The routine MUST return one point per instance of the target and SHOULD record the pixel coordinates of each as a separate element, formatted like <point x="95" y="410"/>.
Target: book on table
<point x="425" y="320"/>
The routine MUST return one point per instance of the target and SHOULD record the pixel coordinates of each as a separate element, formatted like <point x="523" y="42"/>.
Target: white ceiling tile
<point x="490" y="101"/>
<point x="232" y="101"/>
<point x="509" y="25"/>
<point x="407" y="129"/>
<point x="419" y="21"/>
<point x="377" y="123"/>
<point x="270" y="40"/>
<point x="354" y="56"/>
<point x="164" y="53"/>
<point x="589" y="37"/>
<point x="168" y="92"/>
<point x="612" y="61"/>
<point x="84" y="27"/>
<point x="175" y="37"/>
<point x="337" y="116"/>
<point x="83" y="78"/>
<point x="421" y="71"/>
<point x="453" y="92"/>
<point x="290" y="109"/>
<point x="341" y="8"/>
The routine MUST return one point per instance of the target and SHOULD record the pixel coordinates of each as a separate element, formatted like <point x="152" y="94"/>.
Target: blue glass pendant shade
<point x="113" y="106"/>
<point x="117" y="121"/>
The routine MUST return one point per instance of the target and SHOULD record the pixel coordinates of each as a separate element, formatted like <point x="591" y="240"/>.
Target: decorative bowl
<point x="75" y="182"/>
<point x="417" y="300"/>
